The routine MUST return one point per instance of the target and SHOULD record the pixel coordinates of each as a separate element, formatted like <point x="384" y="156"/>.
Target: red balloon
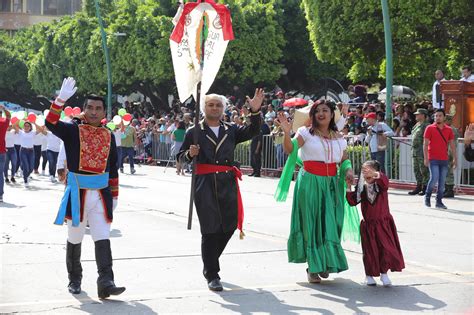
<point x="76" y="111"/>
<point x="103" y="121"/>
<point x="31" y="117"/>
<point x="14" y="120"/>
<point x="127" y="117"/>
<point x="68" y="111"/>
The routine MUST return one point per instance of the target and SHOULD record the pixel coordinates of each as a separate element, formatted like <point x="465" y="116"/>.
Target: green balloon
<point x="111" y="126"/>
<point x="122" y="111"/>
<point x="21" y="124"/>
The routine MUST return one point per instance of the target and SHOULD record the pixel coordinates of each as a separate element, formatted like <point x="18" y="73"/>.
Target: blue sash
<point x="74" y="183"/>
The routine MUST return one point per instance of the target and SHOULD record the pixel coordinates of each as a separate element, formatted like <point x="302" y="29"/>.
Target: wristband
<point x="59" y="101"/>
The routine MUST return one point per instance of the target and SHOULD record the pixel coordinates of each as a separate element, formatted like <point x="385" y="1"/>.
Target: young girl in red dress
<point x="380" y="246"/>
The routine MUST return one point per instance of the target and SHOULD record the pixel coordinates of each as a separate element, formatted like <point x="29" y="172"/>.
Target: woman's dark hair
<point x="373" y="164"/>
<point x="181" y="125"/>
<point x="27" y="122"/>
<point x="314" y="121"/>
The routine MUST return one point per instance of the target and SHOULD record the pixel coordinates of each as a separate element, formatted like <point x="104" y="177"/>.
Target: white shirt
<point x="54" y="143"/>
<point x="17" y="139"/>
<point x="26" y="139"/>
<point x="118" y="137"/>
<point x="215" y="130"/>
<point x="320" y="149"/>
<point x="433" y="92"/>
<point x="38" y="139"/>
<point x="44" y="144"/>
<point x="468" y="79"/>
<point x="10" y="138"/>
<point x="61" y="164"/>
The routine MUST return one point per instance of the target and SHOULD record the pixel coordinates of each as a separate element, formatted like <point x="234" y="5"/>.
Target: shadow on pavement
<point x="110" y="306"/>
<point x="354" y="296"/>
<point x="250" y="301"/>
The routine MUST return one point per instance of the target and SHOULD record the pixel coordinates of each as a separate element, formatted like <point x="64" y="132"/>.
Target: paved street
<point x="159" y="262"/>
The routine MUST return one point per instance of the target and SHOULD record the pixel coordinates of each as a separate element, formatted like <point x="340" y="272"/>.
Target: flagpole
<point x="196" y="125"/>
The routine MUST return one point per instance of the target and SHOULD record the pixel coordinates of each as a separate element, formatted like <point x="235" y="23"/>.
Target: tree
<point x="426" y="35"/>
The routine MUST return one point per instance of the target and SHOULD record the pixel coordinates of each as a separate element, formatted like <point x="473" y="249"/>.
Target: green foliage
<point x="13" y="73"/>
<point x="254" y="56"/>
<point x="426" y="35"/>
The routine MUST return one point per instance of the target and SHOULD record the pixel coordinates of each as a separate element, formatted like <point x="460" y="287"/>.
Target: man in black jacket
<point x="217" y="196"/>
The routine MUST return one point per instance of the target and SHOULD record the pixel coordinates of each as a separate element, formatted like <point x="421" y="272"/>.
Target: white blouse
<point x="10" y="138"/>
<point x="319" y="149"/>
<point x="26" y="139"/>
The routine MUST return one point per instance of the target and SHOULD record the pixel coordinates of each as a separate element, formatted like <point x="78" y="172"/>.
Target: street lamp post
<point x="388" y="74"/>
<point x="107" y="61"/>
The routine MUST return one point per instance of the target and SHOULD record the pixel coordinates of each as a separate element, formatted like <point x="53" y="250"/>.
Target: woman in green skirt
<point x="319" y="197"/>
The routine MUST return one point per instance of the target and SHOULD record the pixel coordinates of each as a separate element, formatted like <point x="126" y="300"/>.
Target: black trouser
<point x="255" y="159"/>
<point x="212" y="246"/>
<point x="37" y="149"/>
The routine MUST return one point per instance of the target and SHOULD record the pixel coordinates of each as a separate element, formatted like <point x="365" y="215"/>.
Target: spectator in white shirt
<point x="52" y="150"/>
<point x="118" y="134"/>
<point x="27" y="154"/>
<point x="37" y="144"/>
<point x="467" y="74"/>
<point x="11" y="157"/>
<point x="437" y="97"/>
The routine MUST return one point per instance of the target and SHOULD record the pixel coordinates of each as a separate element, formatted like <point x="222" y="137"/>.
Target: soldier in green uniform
<point x="422" y="174"/>
<point x="449" y="185"/>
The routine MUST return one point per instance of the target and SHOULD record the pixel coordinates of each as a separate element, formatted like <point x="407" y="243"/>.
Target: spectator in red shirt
<point x="4" y="123"/>
<point x="435" y="147"/>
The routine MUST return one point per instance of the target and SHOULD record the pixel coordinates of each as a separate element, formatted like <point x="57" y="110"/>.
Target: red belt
<point x="203" y="169"/>
<point x="320" y="168"/>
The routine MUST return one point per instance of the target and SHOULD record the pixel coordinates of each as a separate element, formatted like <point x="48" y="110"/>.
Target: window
<point x="17" y="6"/>
<point x="76" y="5"/>
<point x="5" y="6"/>
<point x="64" y="7"/>
<point x="33" y="7"/>
<point x="50" y="7"/>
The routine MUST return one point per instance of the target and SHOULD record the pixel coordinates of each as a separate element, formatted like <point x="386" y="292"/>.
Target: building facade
<point x="17" y="14"/>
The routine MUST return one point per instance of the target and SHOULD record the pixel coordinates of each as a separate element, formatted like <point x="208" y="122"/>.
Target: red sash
<point x="203" y="169"/>
<point x="320" y="168"/>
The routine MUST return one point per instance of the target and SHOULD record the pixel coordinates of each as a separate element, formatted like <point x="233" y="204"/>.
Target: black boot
<point x="74" y="268"/>
<point x="416" y="191"/>
<point x="428" y="200"/>
<point x="448" y="191"/>
<point x="423" y="191"/>
<point x="105" y="283"/>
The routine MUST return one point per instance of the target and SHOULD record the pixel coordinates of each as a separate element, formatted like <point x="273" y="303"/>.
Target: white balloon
<point x="20" y="115"/>
<point x="46" y="112"/>
<point x="117" y="120"/>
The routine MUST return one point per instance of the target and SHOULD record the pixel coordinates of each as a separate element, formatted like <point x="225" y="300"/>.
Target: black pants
<point x="37" y="149"/>
<point x="212" y="246"/>
<point x="255" y="159"/>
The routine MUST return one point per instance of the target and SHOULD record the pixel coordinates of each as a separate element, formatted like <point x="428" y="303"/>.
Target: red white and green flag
<point x="198" y="44"/>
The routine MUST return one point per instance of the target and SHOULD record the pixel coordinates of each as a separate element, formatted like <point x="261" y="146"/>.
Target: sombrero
<point x="301" y="117"/>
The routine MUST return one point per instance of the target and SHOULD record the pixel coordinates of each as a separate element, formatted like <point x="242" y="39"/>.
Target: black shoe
<point x="105" y="283"/>
<point x="253" y="174"/>
<point x="256" y="175"/>
<point x="132" y="171"/>
<point x="448" y="191"/>
<point x="416" y="191"/>
<point x="7" y="180"/>
<point x="215" y="285"/>
<point x="440" y="205"/>
<point x="74" y="268"/>
<point x="423" y="191"/>
<point x="13" y="179"/>
<point x="74" y="288"/>
<point x="428" y="201"/>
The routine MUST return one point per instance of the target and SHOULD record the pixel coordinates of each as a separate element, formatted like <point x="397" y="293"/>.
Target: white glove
<point x="114" y="203"/>
<point x="67" y="90"/>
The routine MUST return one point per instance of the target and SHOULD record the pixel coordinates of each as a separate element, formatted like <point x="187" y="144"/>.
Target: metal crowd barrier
<point x="273" y="157"/>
